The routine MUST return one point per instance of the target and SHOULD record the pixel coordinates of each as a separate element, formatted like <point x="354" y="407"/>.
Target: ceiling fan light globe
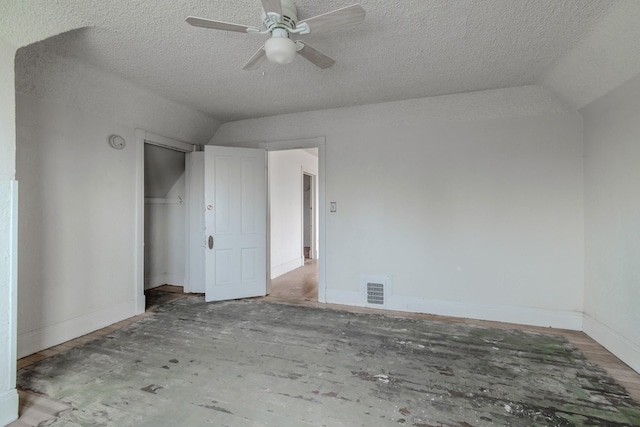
<point x="280" y="50"/>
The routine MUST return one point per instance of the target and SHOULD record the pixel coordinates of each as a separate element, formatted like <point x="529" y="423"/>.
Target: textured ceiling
<point x="405" y="48"/>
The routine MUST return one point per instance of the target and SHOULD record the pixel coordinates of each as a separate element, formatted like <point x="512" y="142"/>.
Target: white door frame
<point x="320" y="144"/>
<point x="144" y="137"/>
<point x="195" y="241"/>
<point x="312" y="235"/>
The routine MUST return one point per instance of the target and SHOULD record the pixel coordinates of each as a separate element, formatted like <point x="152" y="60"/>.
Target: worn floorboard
<point x="257" y="363"/>
<point x="299" y="287"/>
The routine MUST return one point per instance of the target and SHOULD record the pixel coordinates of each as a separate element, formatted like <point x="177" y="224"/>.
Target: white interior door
<point x="235" y="191"/>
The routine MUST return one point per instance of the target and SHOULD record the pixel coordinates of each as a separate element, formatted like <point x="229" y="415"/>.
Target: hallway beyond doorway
<point x="297" y="285"/>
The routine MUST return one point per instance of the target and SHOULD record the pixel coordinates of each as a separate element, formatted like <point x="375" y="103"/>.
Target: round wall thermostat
<point x="116" y="142"/>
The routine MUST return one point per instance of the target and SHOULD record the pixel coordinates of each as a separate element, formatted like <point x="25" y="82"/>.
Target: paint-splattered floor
<point x="255" y="363"/>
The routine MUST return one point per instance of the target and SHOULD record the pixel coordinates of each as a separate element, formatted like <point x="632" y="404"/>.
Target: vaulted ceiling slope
<point x="405" y="49"/>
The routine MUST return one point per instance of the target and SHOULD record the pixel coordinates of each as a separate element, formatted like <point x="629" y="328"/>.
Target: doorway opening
<point x="164" y="218"/>
<point x="164" y="224"/>
<point x="293" y="247"/>
<point x="308" y="217"/>
<point x="199" y="202"/>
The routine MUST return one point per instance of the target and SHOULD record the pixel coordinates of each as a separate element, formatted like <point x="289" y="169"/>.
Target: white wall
<point x="473" y="203"/>
<point x="78" y="85"/>
<point x="612" y="215"/>
<point x="8" y="237"/>
<point x="77" y="211"/>
<point x="78" y="204"/>
<point x="285" y="196"/>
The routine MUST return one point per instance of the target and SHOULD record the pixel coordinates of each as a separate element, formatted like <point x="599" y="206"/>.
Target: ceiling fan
<point x="280" y="18"/>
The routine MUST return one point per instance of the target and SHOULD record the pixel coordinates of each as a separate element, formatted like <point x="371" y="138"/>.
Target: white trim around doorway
<point x="144" y="137"/>
<point x="313" y="175"/>
<point x="320" y="144"/>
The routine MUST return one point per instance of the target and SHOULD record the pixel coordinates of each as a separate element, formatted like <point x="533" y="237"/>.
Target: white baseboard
<point x="498" y="313"/>
<point x="34" y="341"/>
<point x="620" y="346"/>
<point x="334" y="296"/>
<point x="163" y="279"/>
<point x="8" y="407"/>
<point x="286" y="267"/>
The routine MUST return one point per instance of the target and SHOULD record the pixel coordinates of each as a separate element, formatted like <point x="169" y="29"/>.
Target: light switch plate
<point x="334" y="207"/>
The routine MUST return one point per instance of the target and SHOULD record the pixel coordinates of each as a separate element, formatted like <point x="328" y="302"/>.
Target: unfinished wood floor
<point x="37" y="408"/>
<point x="252" y="363"/>
<point x="300" y="288"/>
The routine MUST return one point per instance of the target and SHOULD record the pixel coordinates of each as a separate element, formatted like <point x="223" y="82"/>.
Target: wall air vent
<point x="375" y="293"/>
<point x="375" y="290"/>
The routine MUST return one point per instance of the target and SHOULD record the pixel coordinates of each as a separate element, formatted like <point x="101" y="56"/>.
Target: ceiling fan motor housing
<point x="289" y="18"/>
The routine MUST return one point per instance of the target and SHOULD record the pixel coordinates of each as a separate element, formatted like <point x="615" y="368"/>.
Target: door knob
<point x="210" y="242"/>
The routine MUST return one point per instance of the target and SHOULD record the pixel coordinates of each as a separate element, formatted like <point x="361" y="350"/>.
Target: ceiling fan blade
<point x="273" y="6"/>
<point x="336" y="19"/>
<point x="256" y="60"/>
<point x="315" y="56"/>
<point x="217" y="25"/>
